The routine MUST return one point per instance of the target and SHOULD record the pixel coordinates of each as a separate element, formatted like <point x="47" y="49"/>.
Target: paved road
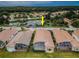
<point x="19" y="28"/>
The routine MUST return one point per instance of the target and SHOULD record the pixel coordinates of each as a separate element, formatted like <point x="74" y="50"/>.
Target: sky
<point x="39" y="3"/>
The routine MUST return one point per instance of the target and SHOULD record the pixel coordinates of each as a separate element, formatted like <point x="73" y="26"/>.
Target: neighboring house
<point x="63" y="40"/>
<point x="75" y="46"/>
<point x="43" y="41"/>
<point x="6" y="36"/>
<point x="75" y="34"/>
<point x="73" y="41"/>
<point x="20" y="42"/>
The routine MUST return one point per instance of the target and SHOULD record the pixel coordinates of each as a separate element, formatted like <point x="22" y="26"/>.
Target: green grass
<point x="30" y="54"/>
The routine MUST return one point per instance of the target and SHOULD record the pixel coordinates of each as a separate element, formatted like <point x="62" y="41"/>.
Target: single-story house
<point x="63" y="40"/>
<point x="20" y="42"/>
<point x="43" y="41"/>
<point x="6" y="36"/>
<point x="75" y="46"/>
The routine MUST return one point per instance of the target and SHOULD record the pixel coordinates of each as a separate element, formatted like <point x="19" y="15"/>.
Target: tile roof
<point x="23" y="37"/>
<point x="76" y="32"/>
<point x="62" y="35"/>
<point x="43" y="36"/>
<point x="59" y="37"/>
<point x="7" y="34"/>
<point x="76" y="43"/>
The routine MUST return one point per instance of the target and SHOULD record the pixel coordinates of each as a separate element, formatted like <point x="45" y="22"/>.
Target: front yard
<point x="31" y="54"/>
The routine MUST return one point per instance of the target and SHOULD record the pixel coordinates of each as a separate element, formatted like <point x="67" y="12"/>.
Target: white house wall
<point x="11" y="49"/>
<point x="75" y="49"/>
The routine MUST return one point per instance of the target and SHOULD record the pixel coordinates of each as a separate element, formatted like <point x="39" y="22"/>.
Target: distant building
<point x="6" y="36"/>
<point x="34" y="23"/>
<point x="20" y="42"/>
<point x="43" y="41"/>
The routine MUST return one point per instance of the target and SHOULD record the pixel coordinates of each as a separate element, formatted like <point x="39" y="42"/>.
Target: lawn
<point x="30" y="54"/>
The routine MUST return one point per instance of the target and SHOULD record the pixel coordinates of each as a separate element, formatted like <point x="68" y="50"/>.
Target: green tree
<point x="4" y="20"/>
<point x="70" y="15"/>
<point x="76" y="24"/>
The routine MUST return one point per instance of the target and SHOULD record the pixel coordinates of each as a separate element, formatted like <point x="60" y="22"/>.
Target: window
<point x="20" y="46"/>
<point x="39" y="46"/>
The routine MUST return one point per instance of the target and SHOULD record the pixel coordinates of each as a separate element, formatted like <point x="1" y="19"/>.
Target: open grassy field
<point x="30" y="54"/>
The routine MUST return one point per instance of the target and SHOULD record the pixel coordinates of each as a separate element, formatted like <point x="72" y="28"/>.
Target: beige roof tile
<point x="61" y="36"/>
<point x="7" y="34"/>
<point x="23" y="37"/>
<point x="43" y="36"/>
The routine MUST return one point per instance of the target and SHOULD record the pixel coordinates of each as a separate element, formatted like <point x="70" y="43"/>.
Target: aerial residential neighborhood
<point x="39" y="29"/>
<point x="36" y="40"/>
<point x="19" y="40"/>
